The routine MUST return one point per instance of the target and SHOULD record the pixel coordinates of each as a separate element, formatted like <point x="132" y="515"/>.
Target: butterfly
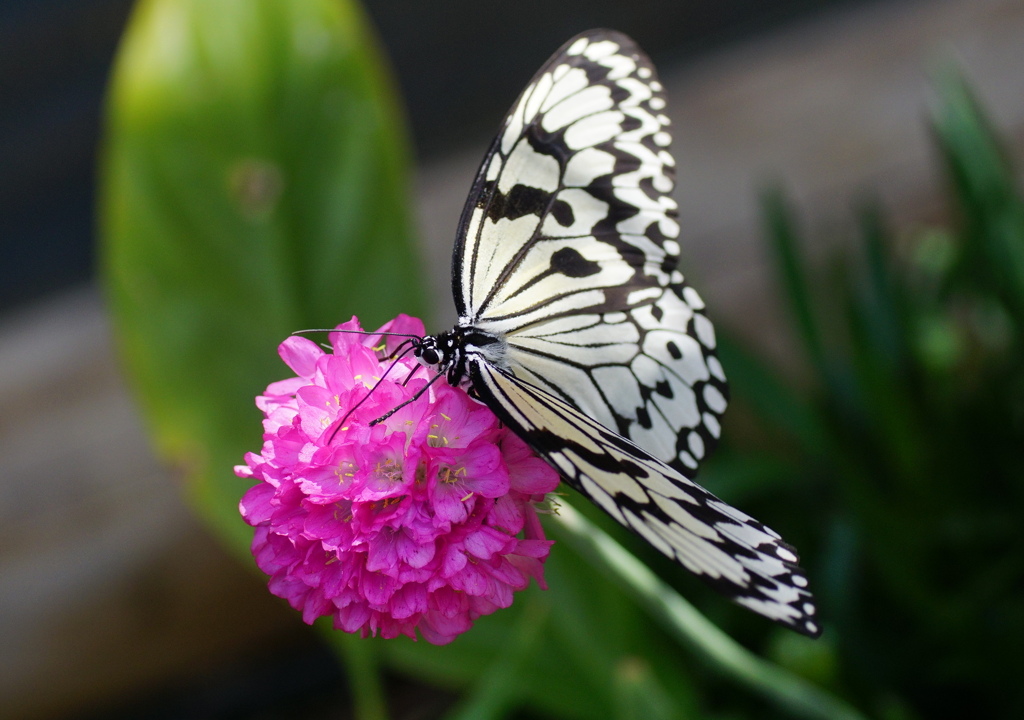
<point x="576" y="327"/>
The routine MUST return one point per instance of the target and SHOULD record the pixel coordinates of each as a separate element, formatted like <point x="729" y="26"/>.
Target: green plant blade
<point x="253" y="183"/>
<point x="982" y="177"/>
<point x="553" y="652"/>
<point x="781" y="231"/>
<point x="683" y="621"/>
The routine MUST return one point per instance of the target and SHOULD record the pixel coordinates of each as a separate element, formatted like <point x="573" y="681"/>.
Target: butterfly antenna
<point x="383" y="375"/>
<point x="355" y="332"/>
<point x="413" y="399"/>
<point x="411" y="375"/>
<point x="400" y="350"/>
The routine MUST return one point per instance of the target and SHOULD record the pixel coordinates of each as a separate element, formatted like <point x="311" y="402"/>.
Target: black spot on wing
<point x="654" y="233"/>
<point x="563" y="214"/>
<point x="647" y="187"/>
<point x="643" y="418"/>
<point x="569" y="262"/>
<point x="630" y="123"/>
<point x="520" y="201"/>
<point x="624" y="162"/>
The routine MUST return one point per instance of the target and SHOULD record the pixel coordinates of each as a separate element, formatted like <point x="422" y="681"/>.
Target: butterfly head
<point x="430" y="352"/>
<point x="449" y="351"/>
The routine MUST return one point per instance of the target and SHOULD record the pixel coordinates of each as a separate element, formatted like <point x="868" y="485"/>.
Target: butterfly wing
<point x="735" y="554"/>
<point x="567" y="249"/>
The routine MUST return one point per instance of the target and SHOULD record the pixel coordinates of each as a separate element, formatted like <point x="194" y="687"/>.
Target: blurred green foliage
<point x="254" y="183"/>
<point x="897" y="466"/>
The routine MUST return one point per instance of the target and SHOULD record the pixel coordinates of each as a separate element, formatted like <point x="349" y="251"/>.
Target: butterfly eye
<point x="429" y="355"/>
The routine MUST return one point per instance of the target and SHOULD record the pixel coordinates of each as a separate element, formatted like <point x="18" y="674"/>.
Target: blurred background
<point x="115" y="601"/>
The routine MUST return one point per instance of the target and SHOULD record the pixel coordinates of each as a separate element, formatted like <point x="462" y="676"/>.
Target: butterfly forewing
<point x="572" y="197"/>
<point x="567" y="248"/>
<point x="567" y="255"/>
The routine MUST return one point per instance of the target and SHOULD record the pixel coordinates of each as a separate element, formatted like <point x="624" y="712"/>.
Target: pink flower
<point x="424" y="522"/>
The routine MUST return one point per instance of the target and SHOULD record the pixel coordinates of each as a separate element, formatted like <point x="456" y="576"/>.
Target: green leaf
<point x="496" y="688"/>
<point x="771" y="397"/>
<point x="682" y="620"/>
<point x="781" y="231"/>
<point x="639" y="694"/>
<point x="984" y="186"/>
<point x="882" y="303"/>
<point x="253" y="184"/>
<point x="552" y="652"/>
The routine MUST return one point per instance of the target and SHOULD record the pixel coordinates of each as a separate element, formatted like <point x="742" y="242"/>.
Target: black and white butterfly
<point x="578" y="330"/>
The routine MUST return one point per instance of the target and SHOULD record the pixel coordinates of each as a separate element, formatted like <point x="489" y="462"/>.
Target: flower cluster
<point x="424" y="521"/>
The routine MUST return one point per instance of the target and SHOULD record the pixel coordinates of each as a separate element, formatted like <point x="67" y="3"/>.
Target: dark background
<point x="459" y="64"/>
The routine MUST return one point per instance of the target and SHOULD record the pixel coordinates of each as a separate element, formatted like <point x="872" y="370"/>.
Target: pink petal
<point x="403" y="324"/>
<point x="383" y="554"/>
<point x="409" y="601"/>
<point x="413" y="553"/>
<point x="377" y="588"/>
<point x="506" y="515"/>
<point x="300" y="354"/>
<point x="487" y="542"/>
<point x="450" y="502"/>
<point x="351" y="617"/>
<point x="448" y="603"/>
<point x="454" y="560"/>
<point x="255" y="505"/>
<point x="327" y="522"/>
<point x="471" y="580"/>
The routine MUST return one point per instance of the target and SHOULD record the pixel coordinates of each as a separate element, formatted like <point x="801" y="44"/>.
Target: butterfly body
<point x="577" y="328"/>
<point x="452" y="352"/>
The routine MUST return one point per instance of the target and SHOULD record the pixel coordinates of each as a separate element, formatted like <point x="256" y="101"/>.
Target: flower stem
<point x="773" y="682"/>
<point x="363" y="675"/>
<point x="497" y="688"/>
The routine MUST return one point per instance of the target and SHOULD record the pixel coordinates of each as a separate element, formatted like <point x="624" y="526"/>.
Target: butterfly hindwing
<point x="643" y="372"/>
<point x="735" y="554"/>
